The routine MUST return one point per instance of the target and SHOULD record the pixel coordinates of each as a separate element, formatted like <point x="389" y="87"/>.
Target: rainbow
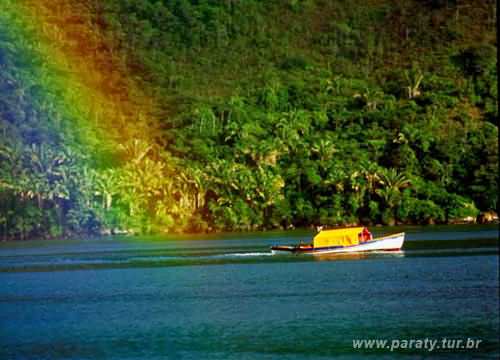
<point x="80" y="71"/>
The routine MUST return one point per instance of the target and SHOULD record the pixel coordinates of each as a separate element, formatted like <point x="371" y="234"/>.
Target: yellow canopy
<point x="337" y="237"/>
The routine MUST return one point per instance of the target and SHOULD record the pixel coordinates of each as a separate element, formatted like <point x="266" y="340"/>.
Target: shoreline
<point x="243" y="234"/>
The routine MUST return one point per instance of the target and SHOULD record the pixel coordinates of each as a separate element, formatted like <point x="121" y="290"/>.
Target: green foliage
<point x="460" y="208"/>
<point x="272" y="114"/>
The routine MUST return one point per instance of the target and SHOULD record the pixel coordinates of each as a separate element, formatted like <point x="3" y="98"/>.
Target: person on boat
<point x="365" y="235"/>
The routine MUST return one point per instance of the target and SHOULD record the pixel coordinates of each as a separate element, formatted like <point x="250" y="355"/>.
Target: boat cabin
<point x="341" y="237"/>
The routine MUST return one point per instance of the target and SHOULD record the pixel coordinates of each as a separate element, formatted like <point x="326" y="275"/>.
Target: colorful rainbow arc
<point x="79" y="70"/>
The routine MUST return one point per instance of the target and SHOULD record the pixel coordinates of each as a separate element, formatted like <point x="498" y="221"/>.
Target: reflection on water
<point x="129" y="252"/>
<point x="227" y="297"/>
<point x="359" y="256"/>
<point x="346" y="256"/>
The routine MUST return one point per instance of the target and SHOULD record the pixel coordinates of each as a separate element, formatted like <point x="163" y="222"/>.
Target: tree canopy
<point x="244" y="115"/>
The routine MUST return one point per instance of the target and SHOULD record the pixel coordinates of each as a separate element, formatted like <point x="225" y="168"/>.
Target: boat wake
<point x="218" y="256"/>
<point x="246" y="254"/>
<point x="268" y="253"/>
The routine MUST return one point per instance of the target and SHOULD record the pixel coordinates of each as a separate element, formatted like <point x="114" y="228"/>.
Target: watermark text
<point x="426" y="344"/>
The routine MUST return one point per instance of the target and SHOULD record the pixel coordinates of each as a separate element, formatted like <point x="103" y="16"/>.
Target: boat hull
<point x="392" y="242"/>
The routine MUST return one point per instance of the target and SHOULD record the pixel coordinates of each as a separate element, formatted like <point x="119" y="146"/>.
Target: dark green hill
<point x="277" y="113"/>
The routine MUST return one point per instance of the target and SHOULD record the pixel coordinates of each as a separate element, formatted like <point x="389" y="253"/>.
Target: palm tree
<point x="392" y="183"/>
<point x="206" y="121"/>
<point x="136" y="150"/>
<point x="324" y="149"/>
<point x="413" y="78"/>
<point x="106" y="187"/>
<point x="372" y="98"/>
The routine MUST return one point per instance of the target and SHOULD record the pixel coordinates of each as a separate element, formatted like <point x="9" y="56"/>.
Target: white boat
<point x="348" y="240"/>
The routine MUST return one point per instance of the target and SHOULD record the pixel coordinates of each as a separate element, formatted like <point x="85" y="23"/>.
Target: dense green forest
<point x="270" y="114"/>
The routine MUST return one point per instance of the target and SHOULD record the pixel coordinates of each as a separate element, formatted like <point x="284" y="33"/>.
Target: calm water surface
<point x="227" y="297"/>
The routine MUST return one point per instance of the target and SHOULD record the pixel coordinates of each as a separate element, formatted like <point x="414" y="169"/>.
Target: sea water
<point x="226" y="296"/>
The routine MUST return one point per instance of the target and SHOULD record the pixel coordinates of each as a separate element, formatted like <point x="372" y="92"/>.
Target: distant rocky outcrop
<point x="487" y="217"/>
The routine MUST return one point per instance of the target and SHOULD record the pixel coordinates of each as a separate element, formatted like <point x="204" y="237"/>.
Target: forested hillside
<point x="203" y="115"/>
